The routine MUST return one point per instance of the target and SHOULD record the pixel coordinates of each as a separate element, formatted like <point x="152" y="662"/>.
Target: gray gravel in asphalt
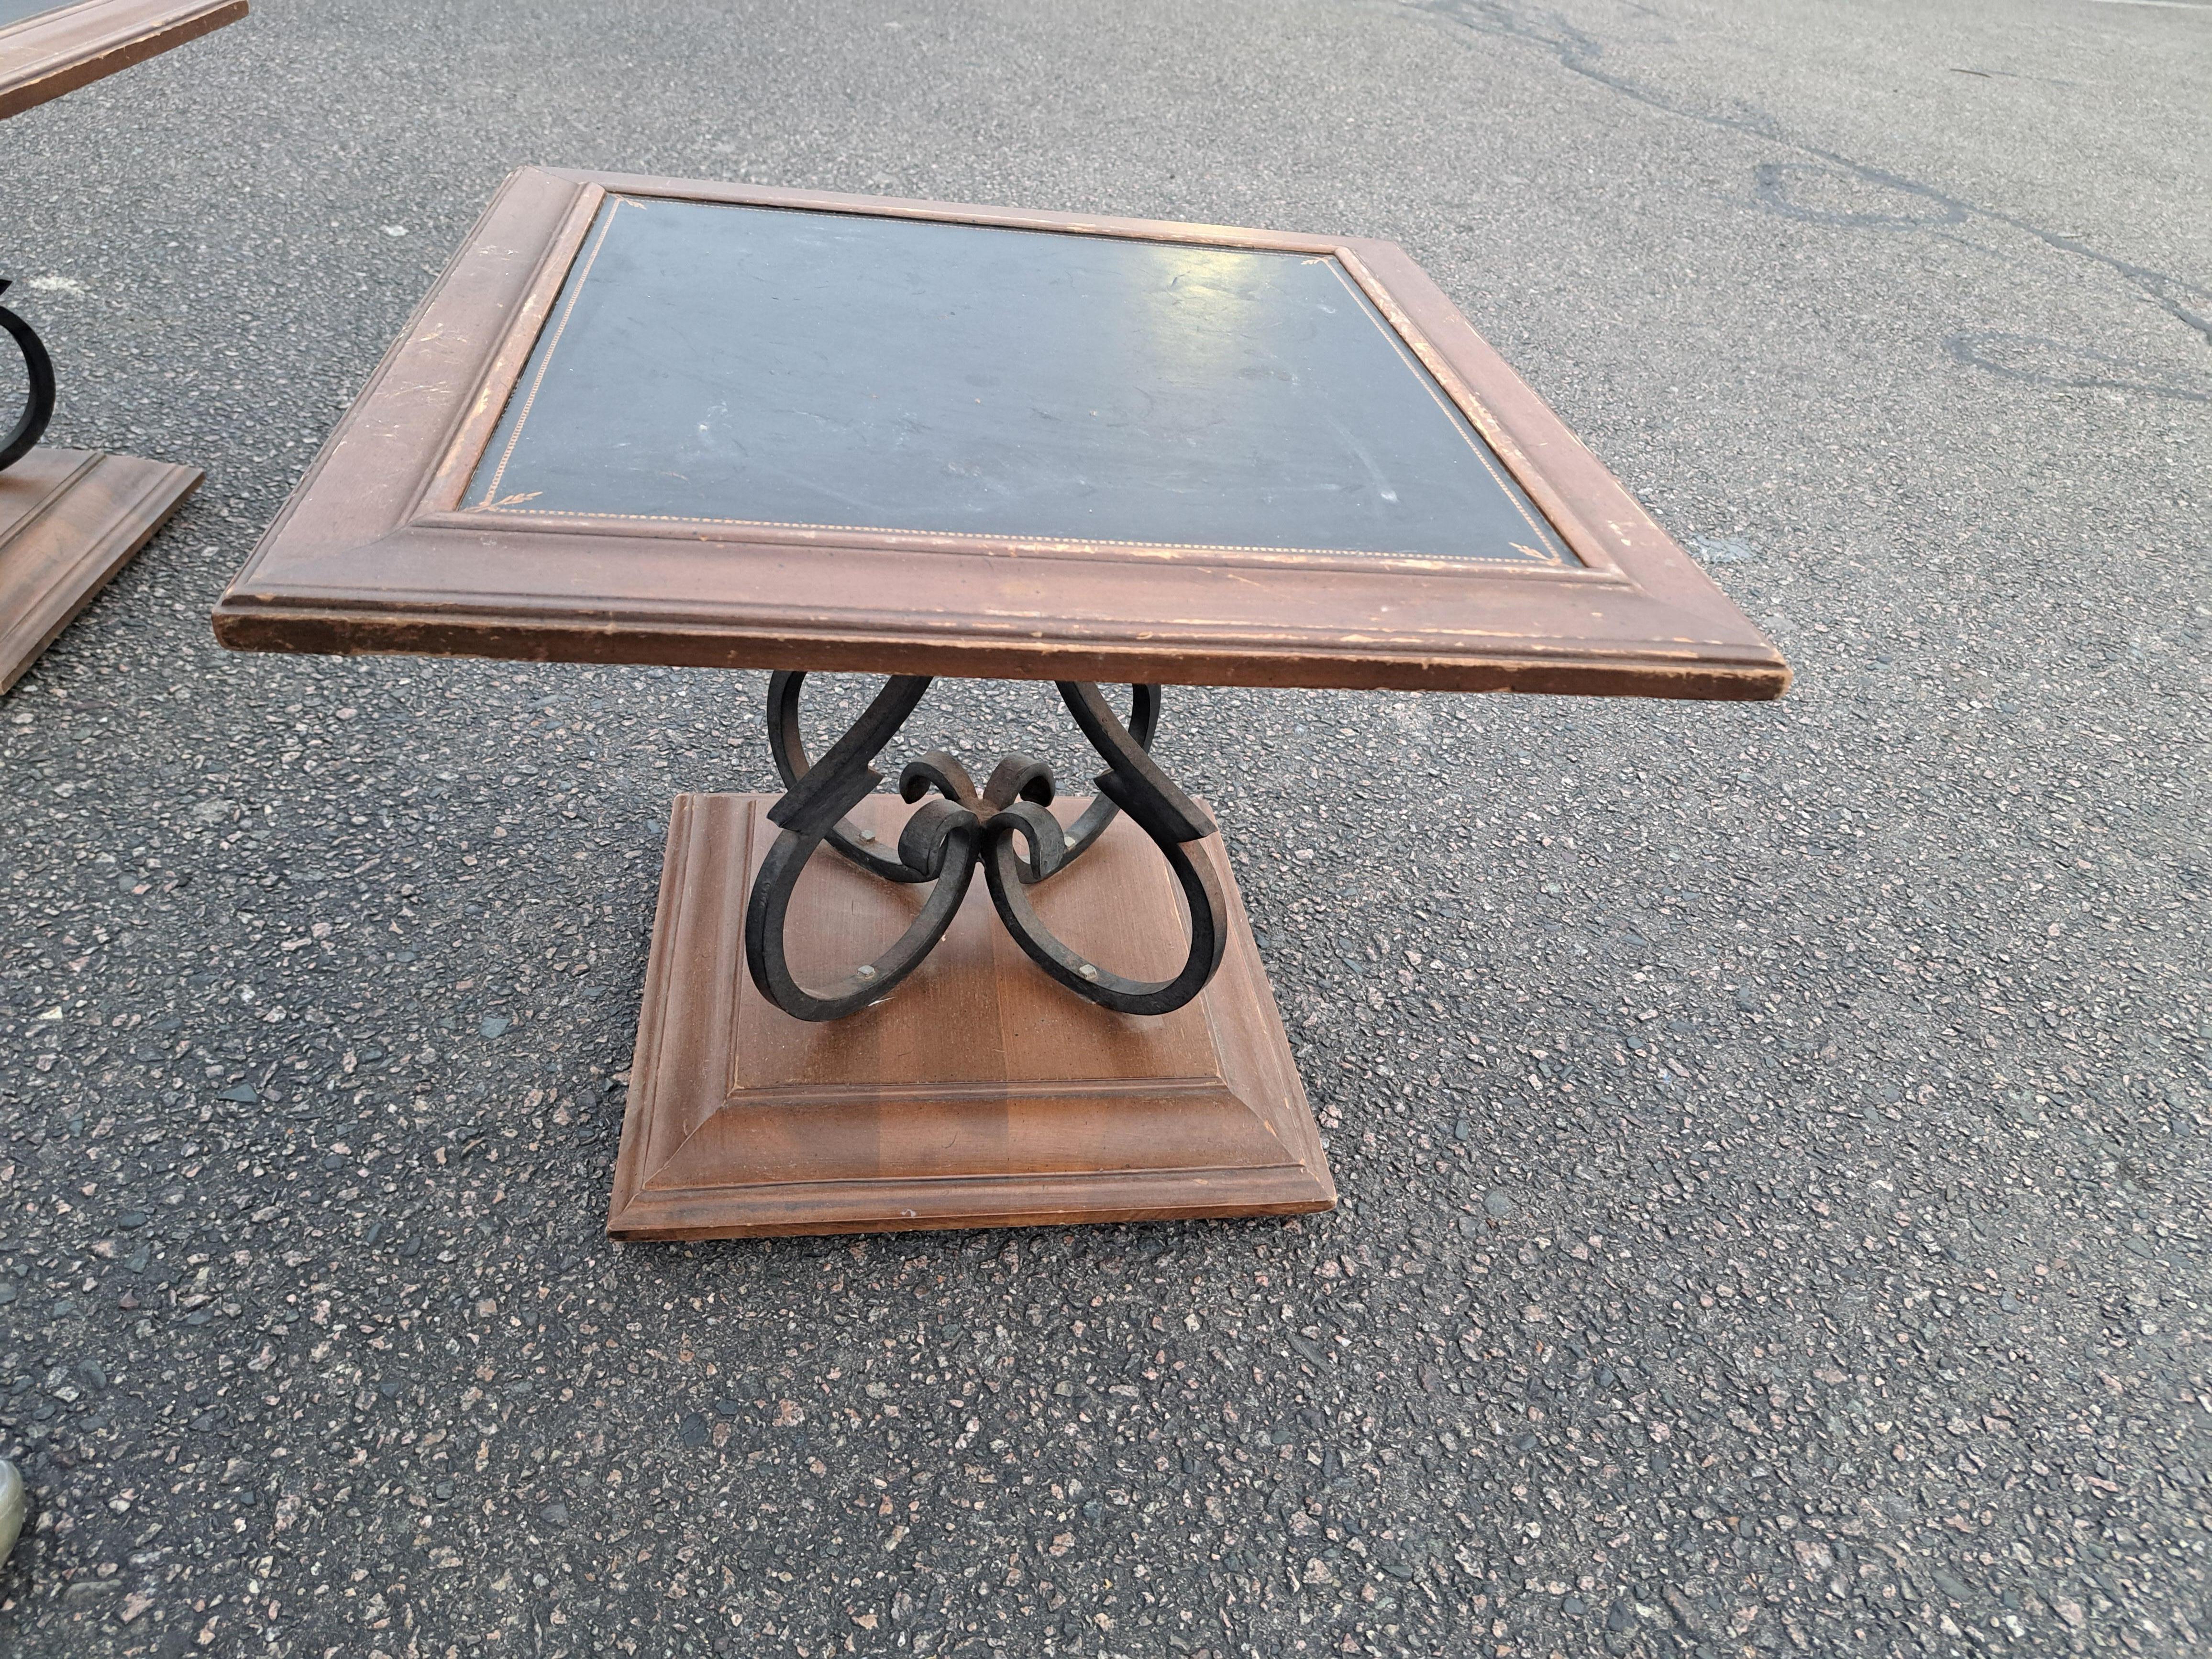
<point x="1774" y="1140"/>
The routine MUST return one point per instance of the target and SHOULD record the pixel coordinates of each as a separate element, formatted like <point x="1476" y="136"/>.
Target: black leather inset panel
<point x="755" y="364"/>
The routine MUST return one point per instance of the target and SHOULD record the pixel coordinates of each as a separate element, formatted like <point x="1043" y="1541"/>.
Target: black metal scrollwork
<point x="38" y="406"/>
<point x="1005" y="826"/>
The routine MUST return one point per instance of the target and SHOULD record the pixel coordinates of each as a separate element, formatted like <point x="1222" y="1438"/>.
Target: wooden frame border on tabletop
<point x="52" y="52"/>
<point x="1636" y="617"/>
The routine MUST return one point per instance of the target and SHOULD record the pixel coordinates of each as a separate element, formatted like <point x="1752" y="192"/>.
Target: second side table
<point x="69" y="519"/>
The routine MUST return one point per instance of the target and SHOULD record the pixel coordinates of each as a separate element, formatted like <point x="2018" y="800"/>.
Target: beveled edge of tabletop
<point x="50" y="53"/>
<point x="1638" y="618"/>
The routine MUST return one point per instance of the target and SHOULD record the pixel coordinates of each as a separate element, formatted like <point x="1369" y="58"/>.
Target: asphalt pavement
<point x="1774" y="1139"/>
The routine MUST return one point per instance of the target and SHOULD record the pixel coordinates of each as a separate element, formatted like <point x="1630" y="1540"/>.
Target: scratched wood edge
<point x="504" y="355"/>
<point x="60" y="51"/>
<point x="747" y="195"/>
<point x="1693" y="640"/>
<point x="1285" y="667"/>
<point x="1299" y="1182"/>
<point x="94" y="518"/>
<point x="1644" y="646"/>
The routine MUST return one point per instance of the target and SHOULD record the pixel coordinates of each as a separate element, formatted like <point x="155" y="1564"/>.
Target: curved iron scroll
<point x="39" y="407"/>
<point x="1003" y="826"/>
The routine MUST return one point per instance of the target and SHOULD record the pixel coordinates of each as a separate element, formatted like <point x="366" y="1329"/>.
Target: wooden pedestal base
<point x="69" y="519"/>
<point x="979" y="1093"/>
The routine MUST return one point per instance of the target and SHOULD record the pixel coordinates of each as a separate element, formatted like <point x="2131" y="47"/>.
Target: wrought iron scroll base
<point x="1003" y="827"/>
<point x="39" y="407"/>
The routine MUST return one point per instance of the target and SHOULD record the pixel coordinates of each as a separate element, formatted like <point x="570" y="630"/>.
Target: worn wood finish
<point x="51" y="53"/>
<point x="377" y="551"/>
<point x="979" y="1094"/>
<point x="69" y="519"/>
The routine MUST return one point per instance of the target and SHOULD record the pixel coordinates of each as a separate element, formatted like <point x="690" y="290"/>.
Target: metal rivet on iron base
<point x="868" y="973"/>
<point x="1088" y="971"/>
<point x="867" y="834"/>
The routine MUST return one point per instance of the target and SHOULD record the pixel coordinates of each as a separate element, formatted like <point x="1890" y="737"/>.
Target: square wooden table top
<point x="48" y="47"/>
<point x="643" y="420"/>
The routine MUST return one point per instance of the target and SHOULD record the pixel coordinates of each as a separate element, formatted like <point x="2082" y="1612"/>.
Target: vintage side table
<point x="645" y="420"/>
<point x="69" y="519"/>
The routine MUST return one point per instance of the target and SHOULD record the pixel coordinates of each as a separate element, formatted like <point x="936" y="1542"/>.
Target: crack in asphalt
<point x="1977" y="348"/>
<point x="1580" y="53"/>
